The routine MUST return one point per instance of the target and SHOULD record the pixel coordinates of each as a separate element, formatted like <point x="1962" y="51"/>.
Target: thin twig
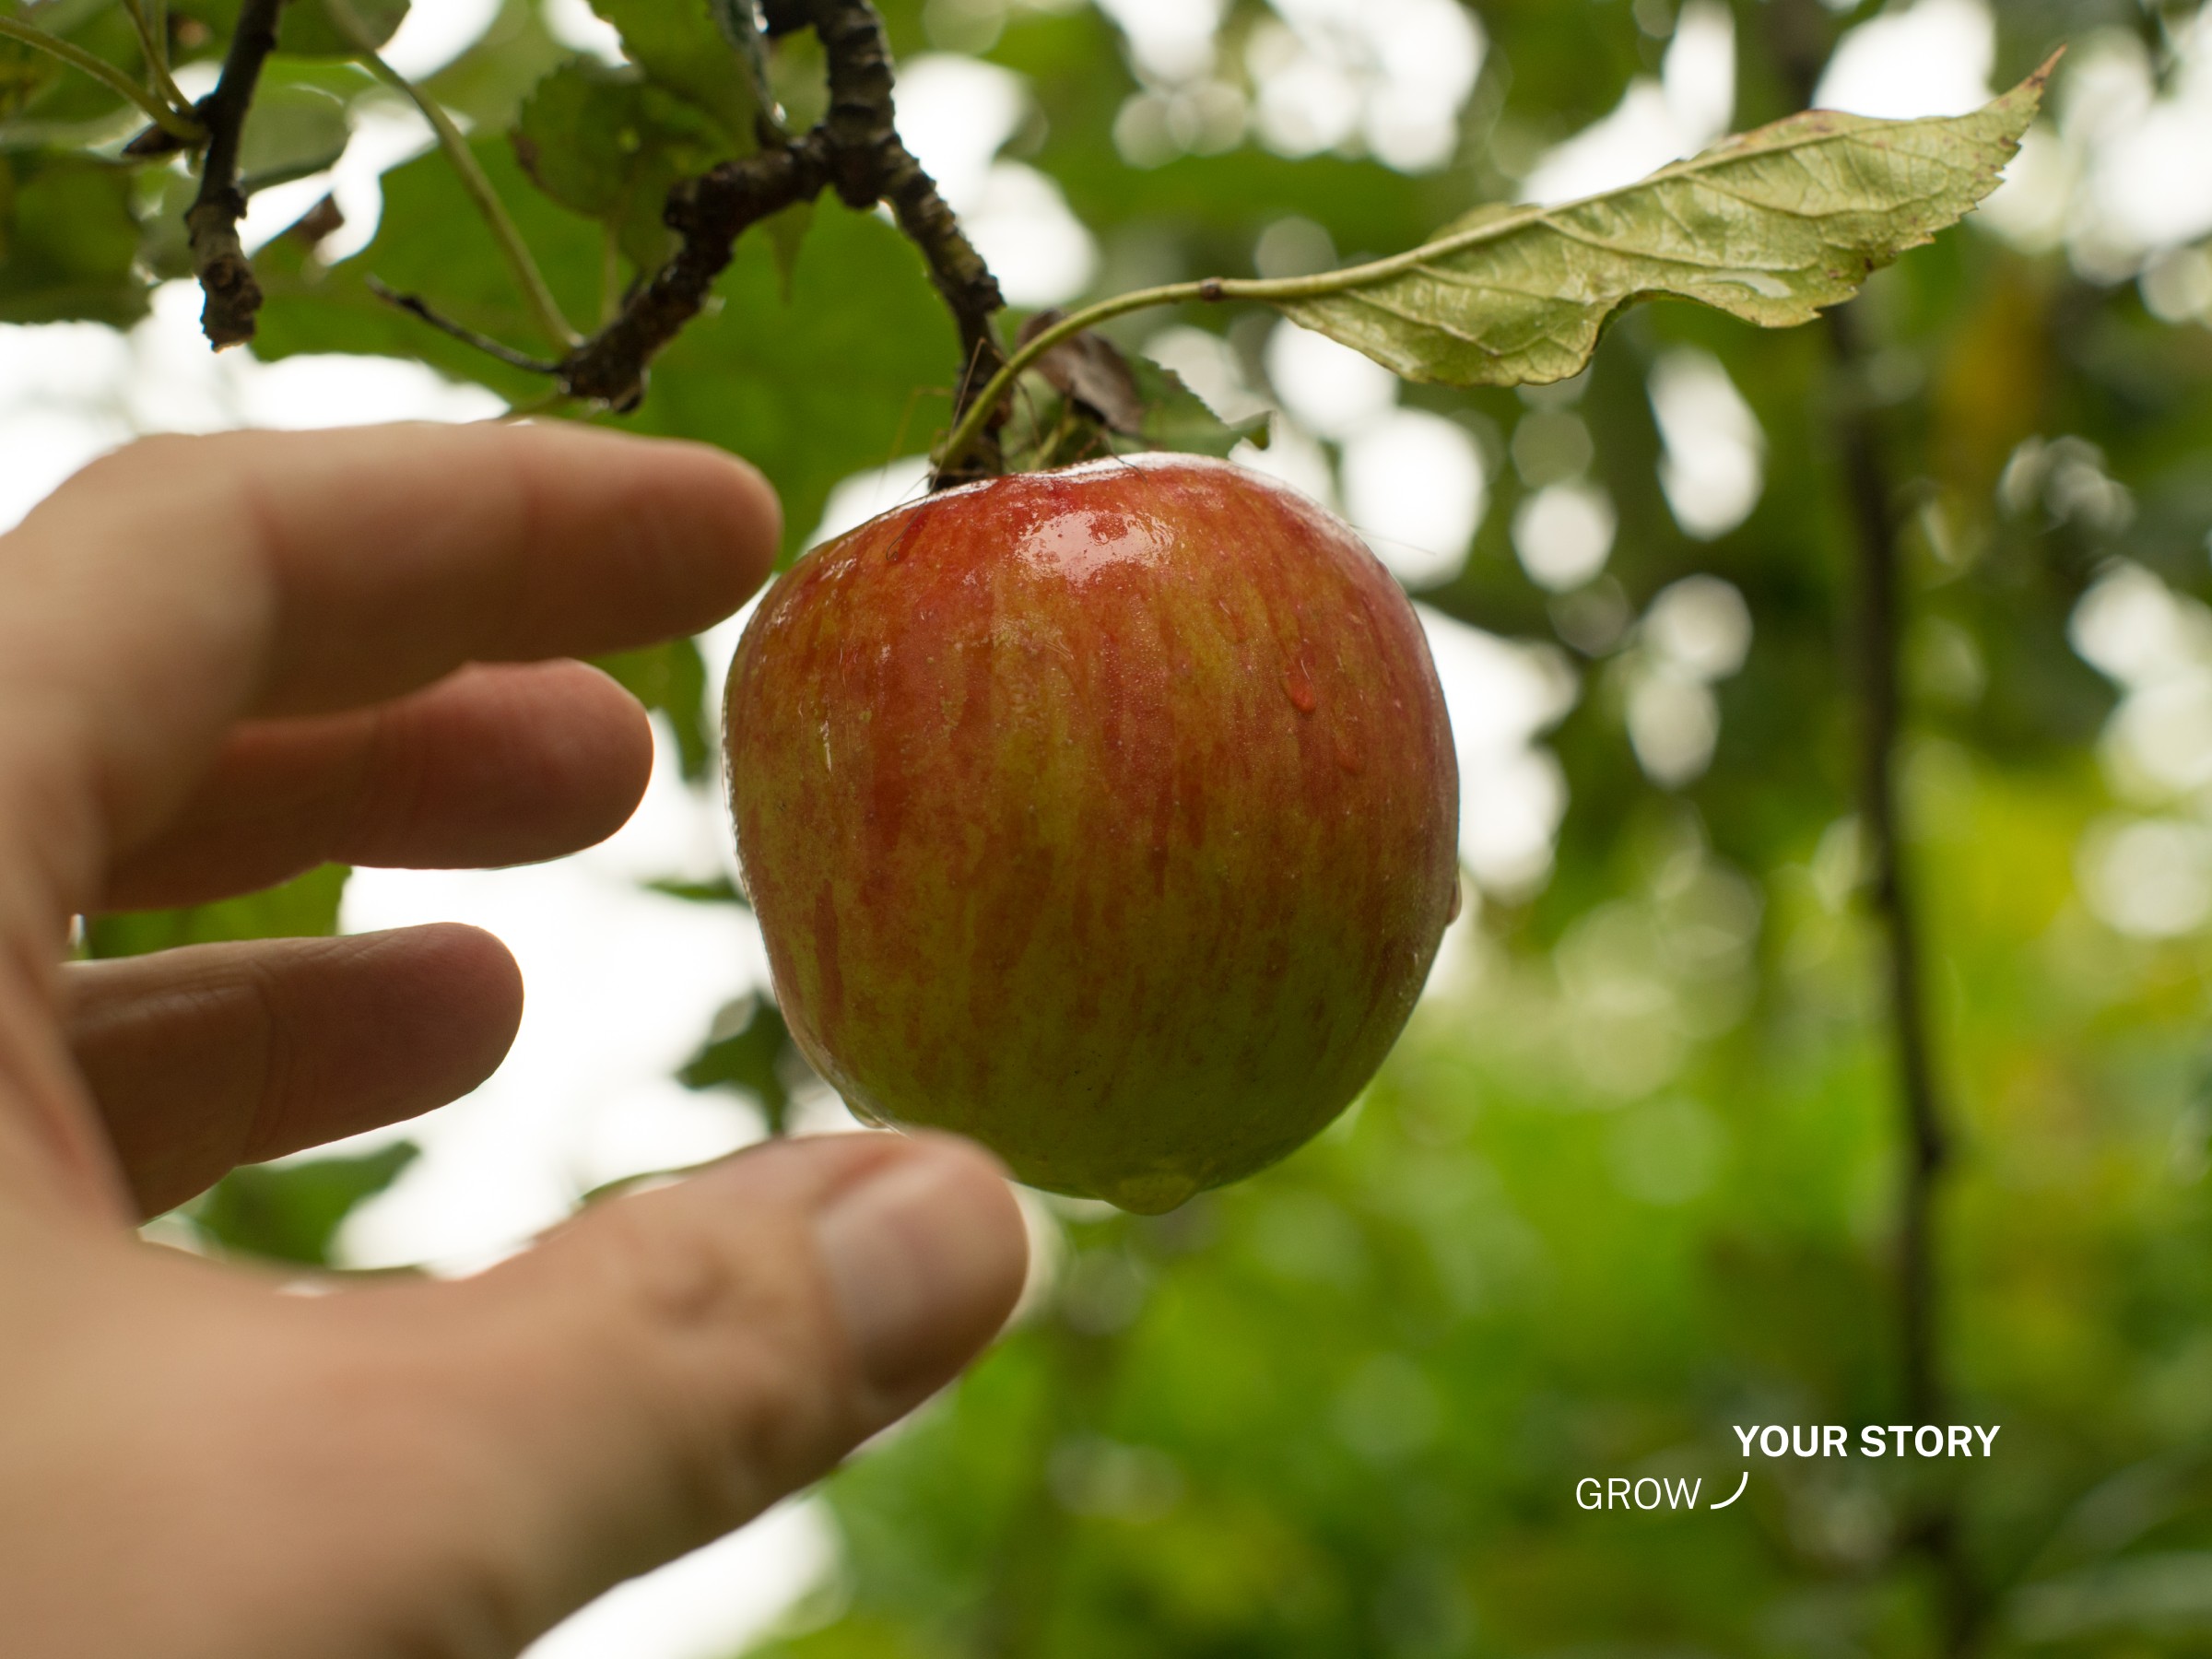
<point x="218" y="257"/>
<point x="416" y="306"/>
<point x="856" y="149"/>
<point x="513" y="248"/>
<point x="1889" y="898"/>
<point x="1888" y="891"/>
<point x="1800" y="39"/>
<point x="707" y="215"/>
<point x="176" y="123"/>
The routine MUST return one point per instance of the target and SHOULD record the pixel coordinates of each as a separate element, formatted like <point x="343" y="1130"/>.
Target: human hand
<point x="225" y="660"/>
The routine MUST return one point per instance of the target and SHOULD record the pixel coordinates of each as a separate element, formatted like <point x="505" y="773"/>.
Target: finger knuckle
<point x="743" y="1364"/>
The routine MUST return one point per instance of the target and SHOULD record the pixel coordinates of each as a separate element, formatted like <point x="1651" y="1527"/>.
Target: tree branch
<point x="1800" y="37"/>
<point x="219" y="259"/>
<point x="872" y="164"/>
<point x="1925" y="1149"/>
<point x="707" y="214"/>
<point x="1888" y="892"/>
<point x="856" y="150"/>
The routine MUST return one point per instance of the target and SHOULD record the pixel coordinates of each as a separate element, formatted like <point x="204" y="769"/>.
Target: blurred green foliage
<point x="291" y="1212"/>
<point x="671" y="680"/>
<point x="1631" y="1179"/>
<point x="304" y="907"/>
<point x="749" y="1049"/>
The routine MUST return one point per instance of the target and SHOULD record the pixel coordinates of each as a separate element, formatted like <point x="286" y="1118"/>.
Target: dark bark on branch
<point x="217" y="258"/>
<point x="872" y="165"/>
<point x="1888" y="891"/>
<point x="1877" y="623"/>
<point x="707" y="214"/>
<point x="1800" y="37"/>
<point x="856" y="151"/>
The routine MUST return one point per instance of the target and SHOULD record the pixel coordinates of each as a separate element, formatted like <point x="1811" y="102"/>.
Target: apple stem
<point x="969" y="427"/>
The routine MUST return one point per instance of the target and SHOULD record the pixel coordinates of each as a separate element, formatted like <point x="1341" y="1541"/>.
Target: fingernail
<point x="924" y="1266"/>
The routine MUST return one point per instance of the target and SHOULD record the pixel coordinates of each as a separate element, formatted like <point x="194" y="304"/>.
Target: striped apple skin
<point x="1107" y="816"/>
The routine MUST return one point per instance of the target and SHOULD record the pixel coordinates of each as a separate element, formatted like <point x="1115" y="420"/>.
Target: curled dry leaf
<point x="1090" y="371"/>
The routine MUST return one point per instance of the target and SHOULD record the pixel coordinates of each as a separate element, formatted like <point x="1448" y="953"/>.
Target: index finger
<point x="184" y="583"/>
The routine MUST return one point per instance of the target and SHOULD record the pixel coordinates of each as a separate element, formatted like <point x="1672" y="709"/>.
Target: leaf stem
<point x="176" y="123"/>
<point x="153" y="39"/>
<point x="536" y="295"/>
<point x="972" y="423"/>
<point x="1213" y="288"/>
<point x="1474" y="231"/>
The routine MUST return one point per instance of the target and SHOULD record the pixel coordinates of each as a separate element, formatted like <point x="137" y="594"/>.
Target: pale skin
<point x="222" y="661"/>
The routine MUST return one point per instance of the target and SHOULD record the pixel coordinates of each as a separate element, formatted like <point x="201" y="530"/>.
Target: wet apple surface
<point x="1107" y="816"/>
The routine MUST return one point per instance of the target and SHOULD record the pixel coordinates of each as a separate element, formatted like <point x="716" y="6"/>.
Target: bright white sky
<point x="622" y="982"/>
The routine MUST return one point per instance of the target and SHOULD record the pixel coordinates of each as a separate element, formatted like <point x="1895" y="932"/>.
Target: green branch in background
<point x="179" y="123"/>
<point x="1769" y="227"/>
<point x="513" y="248"/>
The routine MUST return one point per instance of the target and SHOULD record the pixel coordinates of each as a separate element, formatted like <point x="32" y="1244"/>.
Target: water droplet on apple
<point x="1300" y="689"/>
<point x="1452" y="916"/>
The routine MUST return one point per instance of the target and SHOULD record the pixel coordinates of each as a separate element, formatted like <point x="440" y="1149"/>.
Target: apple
<point x="1107" y="816"/>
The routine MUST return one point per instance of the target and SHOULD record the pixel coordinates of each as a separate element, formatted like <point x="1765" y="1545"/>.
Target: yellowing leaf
<point x="1769" y="227"/>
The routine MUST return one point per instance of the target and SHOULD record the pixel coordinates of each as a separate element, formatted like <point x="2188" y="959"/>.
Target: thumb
<point x="670" y="1364"/>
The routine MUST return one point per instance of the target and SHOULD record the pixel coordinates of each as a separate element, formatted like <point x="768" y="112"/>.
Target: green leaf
<point x="26" y="74"/>
<point x="608" y="144"/>
<point x="749" y="376"/>
<point x="678" y="45"/>
<point x="164" y="243"/>
<point x="68" y="242"/>
<point x="1769" y="227"/>
<point x="307" y="29"/>
<point x="304" y="907"/>
<point x="721" y="890"/>
<point x="292" y="131"/>
<point x="849" y="372"/>
<point x="1086" y="398"/>
<point x="292" y="1212"/>
<point x="1177" y="418"/>
<point x="748" y="1049"/>
<point x="488" y="82"/>
<point x="740" y="24"/>
<point x="673" y="679"/>
<point x="62" y="95"/>
<point x="430" y="241"/>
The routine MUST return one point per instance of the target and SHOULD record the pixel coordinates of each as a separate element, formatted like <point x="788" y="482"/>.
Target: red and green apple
<point x="1106" y="815"/>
